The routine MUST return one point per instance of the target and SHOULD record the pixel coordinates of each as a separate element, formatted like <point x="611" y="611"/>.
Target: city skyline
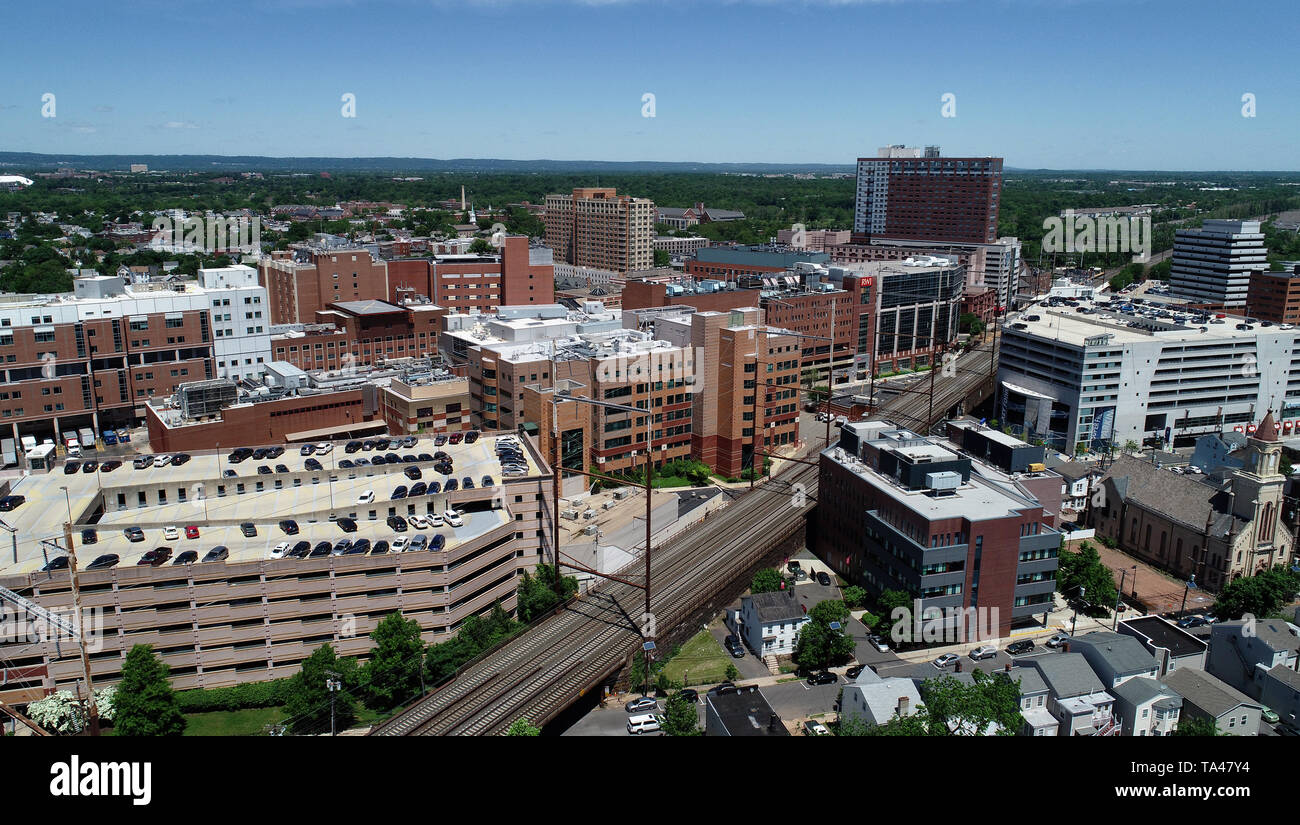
<point x="747" y="81"/>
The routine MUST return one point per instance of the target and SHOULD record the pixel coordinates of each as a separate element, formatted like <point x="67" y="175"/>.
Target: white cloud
<point x="180" y="124"/>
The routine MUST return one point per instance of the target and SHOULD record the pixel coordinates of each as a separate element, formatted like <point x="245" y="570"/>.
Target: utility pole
<point x="81" y="637"/>
<point x="333" y="685"/>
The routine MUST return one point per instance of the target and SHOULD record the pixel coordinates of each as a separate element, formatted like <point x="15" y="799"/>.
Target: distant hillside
<point x="225" y="163"/>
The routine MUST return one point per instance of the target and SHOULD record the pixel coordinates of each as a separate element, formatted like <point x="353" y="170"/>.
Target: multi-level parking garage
<point x="255" y="615"/>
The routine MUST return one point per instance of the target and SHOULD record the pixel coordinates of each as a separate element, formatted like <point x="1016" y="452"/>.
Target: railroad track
<point x="539" y="673"/>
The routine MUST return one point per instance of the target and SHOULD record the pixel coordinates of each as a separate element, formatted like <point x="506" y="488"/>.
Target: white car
<point x="418" y="521"/>
<point x="278" y="551"/>
<point x="436" y="520"/>
<point x="366" y="497"/>
<point x="453" y="518"/>
<point x="324" y="448"/>
<point x="171" y="533"/>
<point x="812" y="728"/>
<point x="162" y="460"/>
<point x="399" y="544"/>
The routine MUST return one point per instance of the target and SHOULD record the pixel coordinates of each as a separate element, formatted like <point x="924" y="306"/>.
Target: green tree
<point x="1084" y="570"/>
<point x="481" y="246"/>
<point x="732" y="673"/>
<point x="663" y="258"/>
<point x="393" y="674"/>
<point x="1260" y="595"/>
<point x="307" y="700"/>
<point x="766" y="580"/>
<point x="145" y="704"/>
<point x="894" y="607"/>
<point x="536" y="594"/>
<point x="819" y="645"/>
<point x="854" y="596"/>
<point x="680" y="718"/>
<point x="1196" y="726"/>
<point x="960" y="709"/>
<point x="522" y="727"/>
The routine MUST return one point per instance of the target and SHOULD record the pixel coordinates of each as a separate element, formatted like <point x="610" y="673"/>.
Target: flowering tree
<point x="64" y="714"/>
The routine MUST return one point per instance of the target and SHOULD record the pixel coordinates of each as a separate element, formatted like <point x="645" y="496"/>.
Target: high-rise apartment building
<point x="907" y="193"/>
<point x="1213" y="264"/>
<point x="599" y="228"/>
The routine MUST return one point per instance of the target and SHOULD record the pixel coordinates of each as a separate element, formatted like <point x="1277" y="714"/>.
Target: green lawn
<point x="701" y="661"/>
<point x="250" y="722"/>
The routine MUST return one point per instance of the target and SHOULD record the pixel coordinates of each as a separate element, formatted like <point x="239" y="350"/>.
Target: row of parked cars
<point x="511" y="457"/>
<point x="145" y="461"/>
<point x="72" y="467"/>
<point x="156" y="557"/>
<point x="358" y="547"/>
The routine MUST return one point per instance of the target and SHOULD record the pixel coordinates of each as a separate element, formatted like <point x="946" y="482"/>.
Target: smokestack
<point x="904" y="704"/>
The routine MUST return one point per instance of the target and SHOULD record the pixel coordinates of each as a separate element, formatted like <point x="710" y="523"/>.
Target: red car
<point x="191" y="532"/>
<point x="457" y="437"/>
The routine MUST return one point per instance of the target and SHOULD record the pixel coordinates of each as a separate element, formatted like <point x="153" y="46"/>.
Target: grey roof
<point x="1285" y="675"/>
<point x="1207" y="692"/>
<point x="881" y="695"/>
<point x="1188" y="500"/>
<point x="1067" y="675"/>
<point x="1275" y="633"/>
<point x="1141" y="690"/>
<point x="745" y="712"/>
<point x="1124" y="654"/>
<point x="778" y="606"/>
<point x="1075" y="470"/>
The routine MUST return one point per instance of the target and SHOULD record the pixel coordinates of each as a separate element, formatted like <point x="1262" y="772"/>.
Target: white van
<point x="642" y="724"/>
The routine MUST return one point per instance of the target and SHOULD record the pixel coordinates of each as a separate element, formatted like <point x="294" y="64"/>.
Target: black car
<point x="855" y="671"/>
<point x="242" y="454"/>
<point x="392" y="458"/>
<point x="71" y="467"/>
<point x="281" y="468"/>
<point x="312" y="464"/>
<point x="823" y="579"/>
<point x="488" y="482"/>
<point x="367" y="445"/>
<point x="1022" y="646"/>
<point x="419" y="488"/>
<point x="689" y="694"/>
<point x="218" y="553"/>
<point x="435" y="487"/>
<point x="187" y="557"/>
<point x="300" y="550"/>
<point x="89" y="536"/>
<point x="109" y="466"/>
<point x="439" y="440"/>
<point x="102" y="562"/>
<point x="180" y="459"/>
<point x="133" y="534"/>
<point x="263" y="470"/>
<point x="90" y="467"/>
<point x="347" y="525"/>
<point x="380" y="547"/>
<point x="275" y="452"/>
<point x="307" y="449"/>
<point x="155" y="558"/>
<point x="359" y="547"/>
<point x="399" y="491"/>
<point x="735" y="648"/>
<point x="289" y="526"/>
<point x="260" y="453"/>
<point x="56" y="563"/>
<point x="451" y="485"/>
<point x="397" y="523"/>
<point x="467" y="483"/>
<point x="412" y="472"/>
<point x="10" y="502"/>
<point x="346" y="464"/>
<point x="825" y="677"/>
<point x="410" y="459"/>
<point x="352" y="447"/>
<point x="229" y="474"/>
<point x="426" y="457"/>
<point x="471" y="436"/>
<point x="322" y="548"/>
<point x="378" y="460"/>
<point x="248" y="529"/>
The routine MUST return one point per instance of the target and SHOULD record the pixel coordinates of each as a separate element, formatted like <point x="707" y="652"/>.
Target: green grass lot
<point x="250" y="722"/>
<point x="702" y="661"/>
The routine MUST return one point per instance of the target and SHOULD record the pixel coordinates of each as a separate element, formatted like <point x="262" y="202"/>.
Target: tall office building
<point x="601" y="229"/>
<point x="1213" y="264"/>
<point x="907" y="193"/>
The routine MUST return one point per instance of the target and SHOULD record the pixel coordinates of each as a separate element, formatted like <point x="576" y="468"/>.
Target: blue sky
<point x="1120" y="84"/>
